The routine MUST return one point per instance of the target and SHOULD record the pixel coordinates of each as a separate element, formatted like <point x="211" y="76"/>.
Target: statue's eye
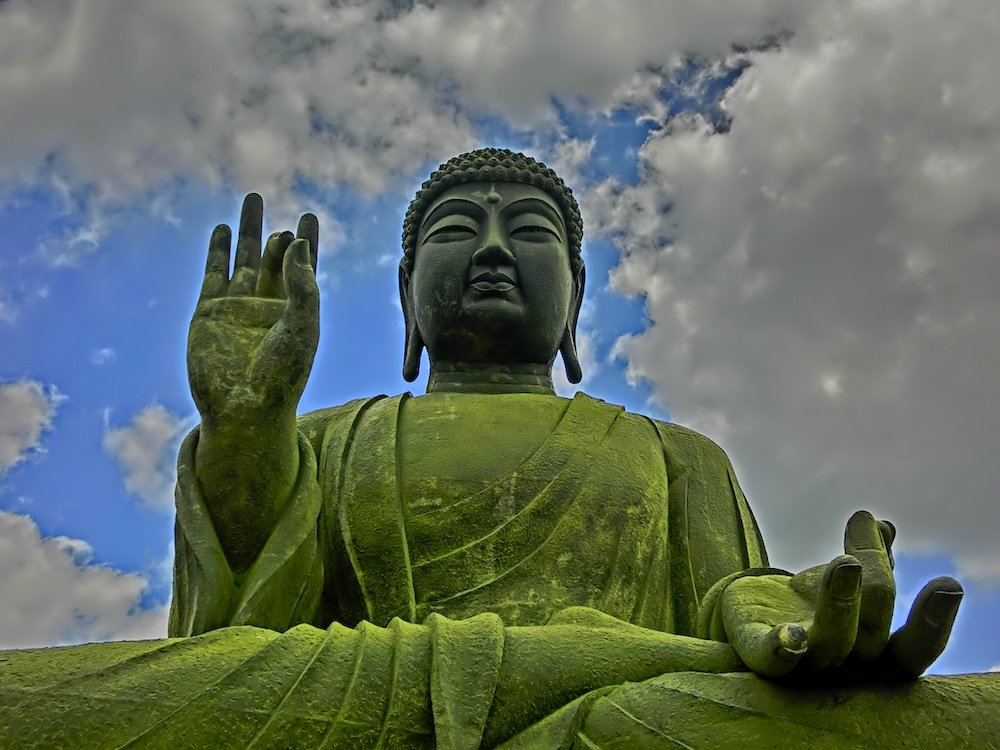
<point x="533" y="233"/>
<point x="451" y="233"/>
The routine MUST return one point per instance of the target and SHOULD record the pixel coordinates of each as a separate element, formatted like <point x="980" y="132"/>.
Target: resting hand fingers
<point x="864" y="540"/>
<point x="766" y="623"/>
<point x="771" y="651"/>
<point x="835" y="624"/>
<point x="920" y="641"/>
<point x="309" y="230"/>
<point x="888" y="531"/>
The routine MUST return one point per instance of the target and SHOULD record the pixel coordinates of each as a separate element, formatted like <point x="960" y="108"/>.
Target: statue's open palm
<point x="833" y="621"/>
<point x="254" y="334"/>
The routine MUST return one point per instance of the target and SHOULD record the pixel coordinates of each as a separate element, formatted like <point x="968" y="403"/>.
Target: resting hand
<point x="832" y="621"/>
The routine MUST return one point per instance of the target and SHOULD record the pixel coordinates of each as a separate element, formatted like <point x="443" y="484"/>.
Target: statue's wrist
<point x="234" y="458"/>
<point x="255" y="426"/>
<point x="246" y="478"/>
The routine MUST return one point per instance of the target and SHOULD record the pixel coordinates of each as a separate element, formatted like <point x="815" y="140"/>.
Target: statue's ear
<point x="414" y="345"/>
<point x="571" y="360"/>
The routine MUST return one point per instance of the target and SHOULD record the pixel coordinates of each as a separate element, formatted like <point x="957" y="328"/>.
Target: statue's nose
<point x="493" y="252"/>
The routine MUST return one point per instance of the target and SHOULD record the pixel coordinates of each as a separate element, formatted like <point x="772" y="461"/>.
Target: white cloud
<point x="8" y="311"/>
<point x="17" y="299"/>
<point x="822" y="279"/>
<point x="102" y="356"/>
<point x="124" y="102"/>
<point x="568" y="156"/>
<point x="145" y="451"/>
<point x="508" y="58"/>
<point x="120" y="99"/>
<point x="52" y="595"/>
<point x="26" y="411"/>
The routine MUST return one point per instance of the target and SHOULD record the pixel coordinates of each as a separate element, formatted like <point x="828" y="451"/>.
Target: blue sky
<point x="790" y="243"/>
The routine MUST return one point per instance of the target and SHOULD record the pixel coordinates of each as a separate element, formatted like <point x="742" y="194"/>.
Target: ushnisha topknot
<point x="493" y="165"/>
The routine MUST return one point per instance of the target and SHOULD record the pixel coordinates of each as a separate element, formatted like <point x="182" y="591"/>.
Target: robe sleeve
<point x="283" y="586"/>
<point x="714" y="528"/>
<point x="713" y="535"/>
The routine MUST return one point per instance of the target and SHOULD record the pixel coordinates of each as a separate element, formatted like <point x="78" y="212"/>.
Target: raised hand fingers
<point x="920" y="641"/>
<point x="244" y="280"/>
<point x="863" y="539"/>
<point x="300" y="284"/>
<point x="291" y="345"/>
<point x="835" y="625"/>
<point x="217" y="266"/>
<point x="309" y="230"/>
<point x="888" y="531"/>
<point x="269" y="282"/>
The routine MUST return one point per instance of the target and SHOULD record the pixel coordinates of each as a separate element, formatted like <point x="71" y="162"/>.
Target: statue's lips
<point x="492" y="282"/>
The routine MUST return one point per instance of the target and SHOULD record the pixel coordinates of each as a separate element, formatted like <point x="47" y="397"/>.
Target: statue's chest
<point x="454" y="446"/>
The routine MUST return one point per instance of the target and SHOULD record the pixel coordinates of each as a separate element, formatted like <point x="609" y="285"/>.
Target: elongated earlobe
<point x="412" y="350"/>
<point x="574" y="373"/>
<point x="571" y="360"/>
<point x="414" y="344"/>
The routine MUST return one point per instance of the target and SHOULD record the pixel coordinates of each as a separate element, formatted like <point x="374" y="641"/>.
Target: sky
<point x="792" y="218"/>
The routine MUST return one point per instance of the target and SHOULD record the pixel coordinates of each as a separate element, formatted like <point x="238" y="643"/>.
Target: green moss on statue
<point x="485" y="563"/>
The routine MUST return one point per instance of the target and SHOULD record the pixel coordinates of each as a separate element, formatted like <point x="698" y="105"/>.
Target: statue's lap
<point x="243" y="686"/>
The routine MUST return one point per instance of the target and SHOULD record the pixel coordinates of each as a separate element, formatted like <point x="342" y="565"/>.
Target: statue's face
<point x="491" y="280"/>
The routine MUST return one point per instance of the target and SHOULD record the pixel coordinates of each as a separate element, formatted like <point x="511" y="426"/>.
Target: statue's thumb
<point x="300" y="281"/>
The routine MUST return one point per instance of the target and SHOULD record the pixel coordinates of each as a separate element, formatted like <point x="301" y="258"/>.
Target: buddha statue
<point x="487" y="564"/>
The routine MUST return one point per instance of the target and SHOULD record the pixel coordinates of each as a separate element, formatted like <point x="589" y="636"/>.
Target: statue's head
<point x="491" y="271"/>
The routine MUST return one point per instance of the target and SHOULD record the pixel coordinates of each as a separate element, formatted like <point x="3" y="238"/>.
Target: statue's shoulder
<point x="686" y="447"/>
<point x="681" y="445"/>
<point x="314" y="424"/>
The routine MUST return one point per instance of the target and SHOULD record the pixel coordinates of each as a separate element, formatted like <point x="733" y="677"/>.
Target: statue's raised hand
<point x="832" y="622"/>
<point x="254" y="334"/>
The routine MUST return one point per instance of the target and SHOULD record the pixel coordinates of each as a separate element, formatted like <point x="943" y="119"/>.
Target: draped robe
<point x="633" y="517"/>
<point x="365" y="622"/>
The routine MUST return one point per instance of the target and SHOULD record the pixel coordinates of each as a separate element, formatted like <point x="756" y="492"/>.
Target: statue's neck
<point x="462" y="377"/>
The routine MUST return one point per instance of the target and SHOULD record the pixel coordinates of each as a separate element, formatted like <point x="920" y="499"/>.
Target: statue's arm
<point x="283" y="587"/>
<point x="582" y="649"/>
<point x="251" y="345"/>
<point x="744" y="554"/>
<point x="713" y="537"/>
